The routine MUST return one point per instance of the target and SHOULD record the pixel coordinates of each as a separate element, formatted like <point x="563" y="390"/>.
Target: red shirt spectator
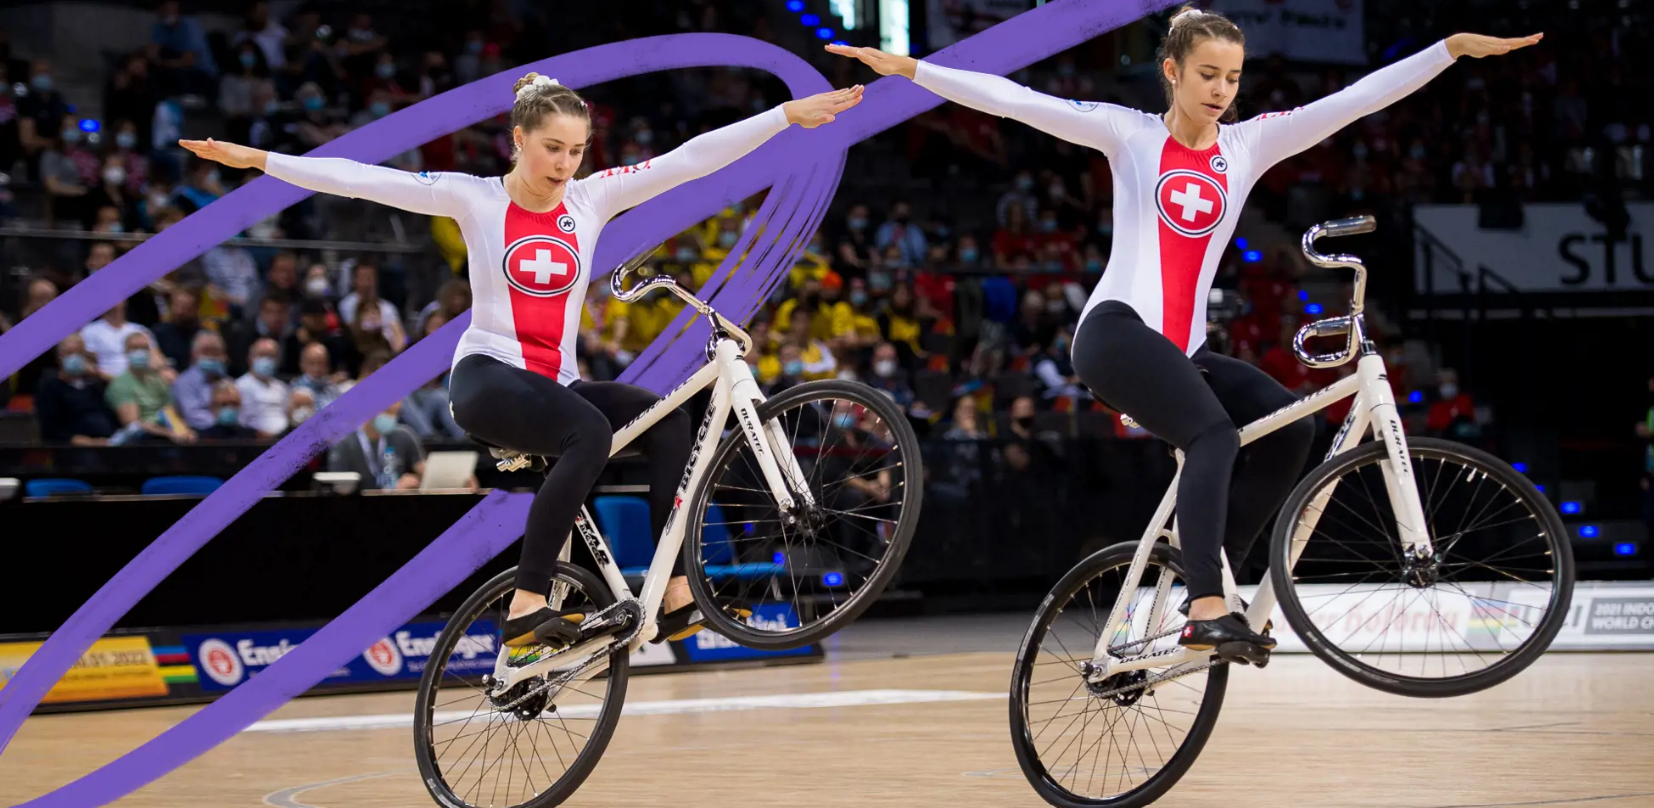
<point x="1443" y="413"/>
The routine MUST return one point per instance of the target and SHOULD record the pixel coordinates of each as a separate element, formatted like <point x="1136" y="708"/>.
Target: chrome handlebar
<point x="643" y="288"/>
<point x="1352" y="324"/>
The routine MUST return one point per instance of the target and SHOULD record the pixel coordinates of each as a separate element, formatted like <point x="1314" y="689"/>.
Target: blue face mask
<point x="1105" y="229"/>
<point x="313" y="102"/>
<point x="211" y="367"/>
<point x="474" y="47"/>
<point x="271" y="106"/>
<point x="858" y="298"/>
<point x="968" y="255"/>
<point x="687" y="254"/>
<point x="385" y="69"/>
<point x="1094" y="265"/>
<point x="727" y="239"/>
<point x="71" y="135"/>
<point x="139" y="359"/>
<point x="42" y="83"/>
<point x="857" y="223"/>
<point x="228" y="415"/>
<point x="264" y="366"/>
<point x="248" y="60"/>
<point x="1025" y="183"/>
<point x="384" y="424"/>
<point x="1053" y="266"/>
<point x="844" y="420"/>
<point x="379" y="109"/>
<point x="74" y="364"/>
<point x="1048" y="225"/>
<point x="793" y="368"/>
<point x="126" y="140"/>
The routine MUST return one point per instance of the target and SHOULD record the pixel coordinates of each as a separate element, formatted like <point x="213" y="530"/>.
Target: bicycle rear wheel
<point x="804" y="575"/>
<point x="1482" y="610"/>
<point x="1124" y="741"/>
<point x="530" y="747"/>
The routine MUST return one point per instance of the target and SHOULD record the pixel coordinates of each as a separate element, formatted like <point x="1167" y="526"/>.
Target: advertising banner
<point x="1300" y="30"/>
<point x="114" y="669"/>
<point x="1559" y="248"/>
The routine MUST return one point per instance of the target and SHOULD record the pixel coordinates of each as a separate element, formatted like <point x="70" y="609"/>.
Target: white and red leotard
<point x="1175" y="208"/>
<point x="529" y="271"/>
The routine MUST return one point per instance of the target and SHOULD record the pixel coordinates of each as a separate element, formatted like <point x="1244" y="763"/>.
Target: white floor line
<point x="784" y="701"/>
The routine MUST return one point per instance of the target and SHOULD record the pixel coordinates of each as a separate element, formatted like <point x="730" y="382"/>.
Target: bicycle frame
<point x="1374" y="408"/>
<point x="733" y="389"/>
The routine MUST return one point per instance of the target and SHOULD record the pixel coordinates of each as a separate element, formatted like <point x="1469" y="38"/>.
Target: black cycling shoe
<point x="1267" y="623"/>
<point x="683" y="622"/>
<point x="543" y="626"/>
<point x="1230" y="637"/>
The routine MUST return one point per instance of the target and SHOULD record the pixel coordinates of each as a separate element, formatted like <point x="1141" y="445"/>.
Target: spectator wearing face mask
<point x="41" y="112"/>
<point x="232" y="269"/>
<point x="899" y="230"/>
<point x="113" y="191"/>
<point x="274" y="322"/>
<point x="1055" y="369"/>
<point x="70" y="403"/>
<point x="1021" y="195"/>
<point x="69" y="171"/>
<point x="364" y="284"/>
<point x="385" y="454"/>
<point x="133" y="162"/>
<point x="791" y="368"/>
<point x="316" y="327"/>
<point x="224" y="411"/>
<point x="142" y="399"/>
<point x="179" y="47"/>
<point x="37" y="292"/>
<point x="265" y="399"/>
<point x="193" y="390"/>
<point x="176" y="334"/>
<point x="855" y="250"/>
<point x="106" y="338"/>
<point x="888" y="376"/>
<point x="317" y="376"/>
<point x="1453" y="413"/>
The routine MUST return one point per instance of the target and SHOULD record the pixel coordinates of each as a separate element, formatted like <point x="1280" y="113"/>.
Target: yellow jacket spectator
<point x="449" y="242"/>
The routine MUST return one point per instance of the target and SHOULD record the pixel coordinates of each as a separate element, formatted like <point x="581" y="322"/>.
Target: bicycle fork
<point x="768" y="442"/>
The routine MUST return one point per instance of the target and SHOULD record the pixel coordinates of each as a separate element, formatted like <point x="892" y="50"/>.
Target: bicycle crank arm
<point x="599" y="637"/>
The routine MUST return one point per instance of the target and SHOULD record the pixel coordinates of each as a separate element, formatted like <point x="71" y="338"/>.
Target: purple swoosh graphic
<point x="803" y="165"/>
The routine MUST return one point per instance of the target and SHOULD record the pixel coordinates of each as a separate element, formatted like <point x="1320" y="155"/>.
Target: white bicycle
<point x="1108" y="710"/>
<point x="798" y="518"/>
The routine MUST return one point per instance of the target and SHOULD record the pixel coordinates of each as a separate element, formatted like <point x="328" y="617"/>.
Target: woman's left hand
<point x="1477" y="46"/>
<point x="815" y="110"/>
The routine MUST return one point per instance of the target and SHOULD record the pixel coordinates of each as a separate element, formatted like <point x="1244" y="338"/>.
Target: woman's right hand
<point x="229" y="154"/>
<point x="884" y="64"/>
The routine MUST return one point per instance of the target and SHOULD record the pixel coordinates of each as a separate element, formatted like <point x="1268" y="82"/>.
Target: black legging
<point x="1138" y="371"/>
<point x="522" y="410"/>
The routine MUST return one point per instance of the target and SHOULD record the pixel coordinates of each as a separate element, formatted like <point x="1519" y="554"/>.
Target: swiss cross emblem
<point x="1190" y="202"/>
<point x="542" y="266"/>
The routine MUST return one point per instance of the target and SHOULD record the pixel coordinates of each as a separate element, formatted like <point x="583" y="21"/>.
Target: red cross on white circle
<point x="542" y="266"/>
<point x="1190" y="202"/>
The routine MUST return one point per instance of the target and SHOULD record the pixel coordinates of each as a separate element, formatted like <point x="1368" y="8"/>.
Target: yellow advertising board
<point x="113" y="668"/>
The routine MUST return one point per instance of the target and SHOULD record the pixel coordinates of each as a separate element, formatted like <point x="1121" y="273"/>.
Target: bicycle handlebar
<point x="643" y="288"/>
<point x="1351" y="324"/>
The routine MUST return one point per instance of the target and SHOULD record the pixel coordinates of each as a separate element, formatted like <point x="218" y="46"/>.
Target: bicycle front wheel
<point x="777" y="580"/>
<point x="1482" y="609"/>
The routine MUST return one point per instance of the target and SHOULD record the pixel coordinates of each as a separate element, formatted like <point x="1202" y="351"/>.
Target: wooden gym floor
<point x="921" y="719"/>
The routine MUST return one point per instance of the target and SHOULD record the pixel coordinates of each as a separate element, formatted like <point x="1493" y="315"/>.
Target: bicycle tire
<point x="1025" y="746"/>
<point x="896" y="546"/>
<point x="454" y="631"/>
<point x="1297" y="616"/>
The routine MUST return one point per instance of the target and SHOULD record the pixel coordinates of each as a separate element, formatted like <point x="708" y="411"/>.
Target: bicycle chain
<point x="1175" y="673"/>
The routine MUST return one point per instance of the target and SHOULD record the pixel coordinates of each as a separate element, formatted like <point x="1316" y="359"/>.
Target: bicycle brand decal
<point x="594" y="542"/>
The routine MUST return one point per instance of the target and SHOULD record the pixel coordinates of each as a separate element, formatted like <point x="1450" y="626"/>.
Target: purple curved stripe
<point x="212" y="725"/>
<point x="426" y="359"/>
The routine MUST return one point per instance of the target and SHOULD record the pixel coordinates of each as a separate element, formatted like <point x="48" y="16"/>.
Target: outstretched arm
<point x="1096" y="125"/>
<point x="1277" y="136"/>
<point x="420" y="193"/>
<point x="623" y="187"/>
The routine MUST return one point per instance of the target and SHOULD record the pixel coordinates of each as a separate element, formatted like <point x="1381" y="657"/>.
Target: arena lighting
<point x="825" y="33"/>
<point x="1252" y="256"/>
<point x="1313" y="308"/>
<point x="1587" y="531"/>
<point x="779" y="557"/>
<point x="1303" y="295"/>
<point x="795" y="5"/>
<point x="1521" y="467"/>
<point x="833" y="579"/>
<point x="1625" y="548"/>
<point x="88" y="125"/>
<point x="1415" y="397"/>
<point x="1570" y="507"/>
<point x="1240" y="243"/>
<point x="810" y="20"/>
<point x="840" y="42"/>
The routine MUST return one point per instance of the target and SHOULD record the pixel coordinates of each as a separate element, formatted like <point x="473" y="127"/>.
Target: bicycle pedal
<point x="1243" y="652"/>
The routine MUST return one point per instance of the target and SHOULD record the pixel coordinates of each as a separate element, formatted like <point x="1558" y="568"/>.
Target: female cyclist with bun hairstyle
<point x="530" y="237"/>
<point x="1180" y="179"/>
